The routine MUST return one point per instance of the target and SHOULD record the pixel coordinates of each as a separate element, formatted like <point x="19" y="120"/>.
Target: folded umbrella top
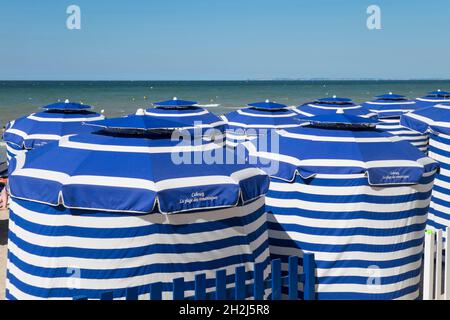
<point x="267" y="105"/>
<point x="66" y="106"/>
<point x="333" y="105"/>
<point x="433" y="98"/>
<point x="175" y="103"/>
<point x="390" y="105"/>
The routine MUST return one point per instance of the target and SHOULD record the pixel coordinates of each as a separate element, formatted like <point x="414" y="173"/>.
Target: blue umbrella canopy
<point x="175" y="103"/>
<point x="310" y="150"/>
<point x="129" y="172"/>
<point x="40" y="128"/>
<point x="262" y="115"/>
<point x="433" y="98"/>
<point x="187" y="112"/>
<point x="430" y="119"/>
<point x="247" y="122"/>
<point x="267" y="105"/>
<point x="66" y="106"/>
<point x="390" y="105"/>
<point x="333" y="104"/>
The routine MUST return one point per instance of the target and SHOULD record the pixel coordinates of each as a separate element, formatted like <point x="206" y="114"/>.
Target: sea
<point x="116" y="98"/>
<point x="19" y="98"/>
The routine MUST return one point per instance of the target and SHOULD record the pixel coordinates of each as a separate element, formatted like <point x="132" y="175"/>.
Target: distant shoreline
<point x="243" y="80"/>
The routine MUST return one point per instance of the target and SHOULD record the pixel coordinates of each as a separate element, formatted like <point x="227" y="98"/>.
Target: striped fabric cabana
<point x="389" y="107"/>
<point x="258" y="118"/>
<point x="126" y="207"/>
<point x="435" y="121"/>
<point x="58" y="119"/>
<point x="331" y="105"/>
<point x="353" y="196"/>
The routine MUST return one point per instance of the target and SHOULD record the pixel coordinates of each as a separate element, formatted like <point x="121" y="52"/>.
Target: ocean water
<point x="18" y="98"/>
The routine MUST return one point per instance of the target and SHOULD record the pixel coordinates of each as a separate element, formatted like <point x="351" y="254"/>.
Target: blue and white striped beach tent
<point x="435" y="121"/>
<point x="354" y="196"/>
<point x="258" y="118"/>
<point x="433" y="98"/>
<point x="126" y="207"/>
<point x="389" y="107"/>
<point x="188" y="112"/>
<point x="58" y="119"/>
<point x="331" y="105"/>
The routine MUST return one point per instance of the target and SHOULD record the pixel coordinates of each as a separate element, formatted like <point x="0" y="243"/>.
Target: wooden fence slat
<point x="178" y="289"/>
<point x="200" y="286"/>
<point x="107" y="295"/>
<point x="447" y="265"/>
<point x="132" y="294"/>
<point x="438" y="274"/>
<point x="428" y="269"/>
<point x="221" y="285"/>
<point x="239" y="291"/>
<point x="258" y="282"/>
<point x="309" y="270"/>
<point x="276" y="279"/>
<point x="293" y="278"/>
<point x="156" y="291"/>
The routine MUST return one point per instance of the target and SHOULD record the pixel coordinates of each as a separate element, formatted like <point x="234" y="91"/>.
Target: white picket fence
<point x="436" y="273"/>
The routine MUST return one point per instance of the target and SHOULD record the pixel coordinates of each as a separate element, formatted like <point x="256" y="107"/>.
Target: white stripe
<point x="262" y="126"/>
<point x="349" y="255"/>
<point x="350" y="190"/>
<point x="81" y="119"/>
<point x="344" y="223"/>
<point x="347" y="207"/>
<point x="66" y="143"/>
<point x="131" y="221"/>
<point x="268" y="115"/>
<point x="345" y="240"/>
<point x="192" y="114"/>
<point x="332" y="138"/>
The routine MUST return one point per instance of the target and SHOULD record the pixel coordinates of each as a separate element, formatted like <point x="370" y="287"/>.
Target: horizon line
<point x="230" y="80"/>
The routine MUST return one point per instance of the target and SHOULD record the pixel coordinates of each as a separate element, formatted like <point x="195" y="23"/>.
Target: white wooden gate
<point x="436" y="273"/>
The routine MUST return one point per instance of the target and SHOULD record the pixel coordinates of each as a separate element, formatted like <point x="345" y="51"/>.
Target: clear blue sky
<point x="224" y="39"/>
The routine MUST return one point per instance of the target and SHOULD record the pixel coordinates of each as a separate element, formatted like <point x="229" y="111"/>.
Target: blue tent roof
<point x="334" y="100"/>
<point x="333" y="105"/>
<point x="251" y="118"/>
<point x="308" y="151"/>
<point x="391" y="96"/>
<point x="435" y="118"/>
<point x="267" y="105"/>
<point x="134" y="173"/>
<point x="433" y="98"/>
<point x="40" y="128"/>
<point x="175" y="103"/>
<point x="195" y="116"/>
<point x="390" y="105"/>
<point x="439" y="93"/>
<point x="67" y="106"/>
